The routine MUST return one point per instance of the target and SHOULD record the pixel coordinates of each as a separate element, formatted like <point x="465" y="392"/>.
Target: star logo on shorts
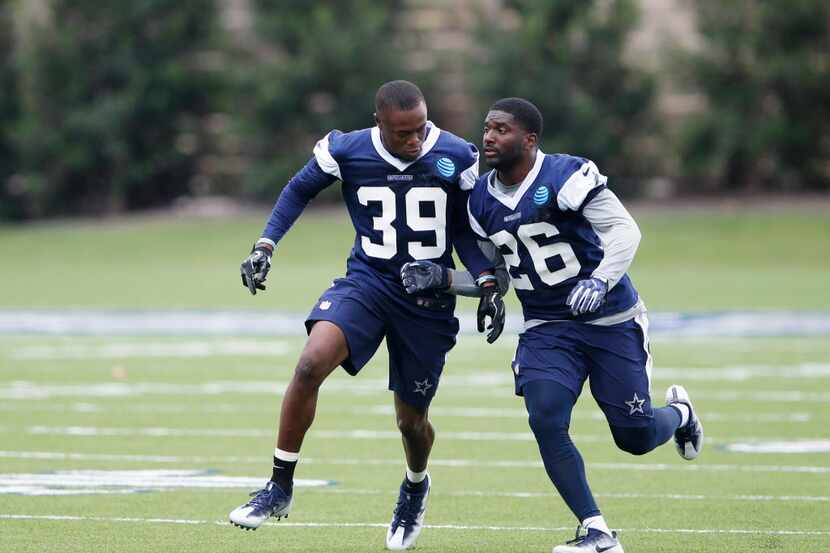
<point x="635" y="405"/>
<point x="422" y="387"/>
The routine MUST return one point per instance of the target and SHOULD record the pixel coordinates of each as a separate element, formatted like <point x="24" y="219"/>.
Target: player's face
<point x="504" y="140"/>
<point x="403" y="132"/>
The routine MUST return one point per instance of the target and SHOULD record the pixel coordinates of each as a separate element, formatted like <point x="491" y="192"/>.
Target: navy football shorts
<point x="417" y="345"/>
<point x="616" y="359"/>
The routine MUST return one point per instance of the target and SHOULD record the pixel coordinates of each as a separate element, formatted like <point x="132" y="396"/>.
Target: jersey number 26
<point x="539" y="255"/>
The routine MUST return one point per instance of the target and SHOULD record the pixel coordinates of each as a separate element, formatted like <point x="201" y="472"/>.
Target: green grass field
<point x="207" y="406"/>
<point x="688" y="260"/>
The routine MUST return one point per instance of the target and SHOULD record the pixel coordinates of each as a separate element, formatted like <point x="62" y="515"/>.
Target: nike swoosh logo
<point x="599" y="549"/>
<point x="585" y="174"/>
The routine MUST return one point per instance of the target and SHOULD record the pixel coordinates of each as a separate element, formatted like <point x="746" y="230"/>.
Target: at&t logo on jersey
<point x="541" y="196"/>
<point x="445" y="166"/>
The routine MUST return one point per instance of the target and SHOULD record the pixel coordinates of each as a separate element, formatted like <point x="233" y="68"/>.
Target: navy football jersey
<point x="547" y="244"/>
<point x="401" y="210"/>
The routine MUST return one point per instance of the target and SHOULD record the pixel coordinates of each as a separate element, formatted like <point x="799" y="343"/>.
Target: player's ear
<point x="531" y="140"/>
<point x="377" y="119"/>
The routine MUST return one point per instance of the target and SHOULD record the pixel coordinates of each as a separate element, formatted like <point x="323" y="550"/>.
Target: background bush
<point x="567" y="57"/>
<point x="764" y="74"/>
<point x="110" y="92"/>
<point x="107" y="107"/>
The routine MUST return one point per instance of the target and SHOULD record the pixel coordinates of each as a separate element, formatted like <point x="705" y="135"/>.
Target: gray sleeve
<point x="463" y="283"/>
<point x="618" y="232"/>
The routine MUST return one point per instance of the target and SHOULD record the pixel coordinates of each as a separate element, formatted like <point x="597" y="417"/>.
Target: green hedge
<point x="317" y="68"/>
<point x="764" y="73"/>
<point x="110" y="92"/>
<point x="567" y="58"/>
<point x="9" y="198"/>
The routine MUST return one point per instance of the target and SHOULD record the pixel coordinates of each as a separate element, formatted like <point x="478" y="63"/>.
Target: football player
<point x="567" y="242"/>
<point x="405" y="183"/>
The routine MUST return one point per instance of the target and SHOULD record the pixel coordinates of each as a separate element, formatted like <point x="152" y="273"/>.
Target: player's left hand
<point x="587" y="296"/>
<point x="491" y="305"/>
<point x="418" y="276"/>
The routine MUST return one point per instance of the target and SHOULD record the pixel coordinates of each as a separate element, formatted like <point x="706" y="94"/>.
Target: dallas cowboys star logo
<point x="422" y="387"/>
<point x="635" y="405"/>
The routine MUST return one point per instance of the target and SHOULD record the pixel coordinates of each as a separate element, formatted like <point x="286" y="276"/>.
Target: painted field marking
<point x="773" y="417"/>
<point x="739" y="531"/>
<point x="99" y="322"/>
<point x="800" y="446"/>
<point x="78" y="482"/>
<point x="354" y="434"/>
<point x="152" y="349"/>
<point x="480" y="386"/>
<point x="448" y="463"/>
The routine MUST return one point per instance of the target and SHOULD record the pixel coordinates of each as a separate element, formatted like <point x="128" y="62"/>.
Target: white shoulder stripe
<point x="467" y="179"/>
<point x="324" y="158"/>
<point x="579" y="184"/>
<point x="477" y="228"/>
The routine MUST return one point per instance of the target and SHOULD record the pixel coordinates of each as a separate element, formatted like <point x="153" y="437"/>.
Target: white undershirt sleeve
<point x="618" y="232"/>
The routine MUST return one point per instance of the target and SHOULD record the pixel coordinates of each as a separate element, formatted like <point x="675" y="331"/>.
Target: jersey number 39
<point x="414" y="220"/>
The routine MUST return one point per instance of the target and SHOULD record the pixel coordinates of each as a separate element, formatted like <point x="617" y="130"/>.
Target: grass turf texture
<point x="476" y="396"/>
<point x="688" y="261"/>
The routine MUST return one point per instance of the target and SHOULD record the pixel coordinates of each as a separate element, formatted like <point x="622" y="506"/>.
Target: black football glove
<point x="491" y="305"/>
<point x="255" y="268"/>
<point x="418" y="276"/>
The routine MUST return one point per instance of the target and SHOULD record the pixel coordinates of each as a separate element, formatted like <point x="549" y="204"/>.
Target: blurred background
<point x="142" y="146"/>
<point x="110" y="107"/>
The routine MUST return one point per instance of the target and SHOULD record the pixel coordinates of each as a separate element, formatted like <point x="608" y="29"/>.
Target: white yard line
<point x="483" y="385"/>
<point x="354" y="434"/>
<point x="739" y="531"/>
<point x="385" y="410"/>
<point x="100" y="322"/>
<point x="153" y="349"/>
<point x="437" y="462"/>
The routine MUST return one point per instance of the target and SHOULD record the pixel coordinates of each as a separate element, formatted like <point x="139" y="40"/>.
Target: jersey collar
<point x="400" y="164"/>
<point x="512" y="201"/>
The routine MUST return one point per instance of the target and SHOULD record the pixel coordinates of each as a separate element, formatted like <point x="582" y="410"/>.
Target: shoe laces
<point x="407" y="509"/>
<point x="263" y="497"/>
<point x="577" y="537"/>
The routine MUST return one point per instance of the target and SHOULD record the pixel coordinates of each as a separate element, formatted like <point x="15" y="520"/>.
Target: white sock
<point x="286" y="456"/>
<point x="415" y="477"/>
<point x="596" y="523"/>
<point x="684" y="412"/>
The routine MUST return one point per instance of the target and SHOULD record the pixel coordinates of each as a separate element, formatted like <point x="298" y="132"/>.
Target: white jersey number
<point x="414" y="220"/>
<point x="538" y="254"/>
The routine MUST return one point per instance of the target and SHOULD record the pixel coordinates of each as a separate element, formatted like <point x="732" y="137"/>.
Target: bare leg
<point x="416" y="432"/>
<point x="324" y="350"/>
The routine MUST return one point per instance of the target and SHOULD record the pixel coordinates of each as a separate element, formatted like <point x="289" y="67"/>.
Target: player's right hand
<point x="255" y="269"/>
<point x="491" y="305"/>
<point x="418" y="276"/>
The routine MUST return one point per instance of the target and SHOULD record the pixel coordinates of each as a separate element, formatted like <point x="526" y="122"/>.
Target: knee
<point x="636" y="441"/>
<point x="311" y="369"/>
<point x="413" y="425"/>
<point x="544" y="422"/>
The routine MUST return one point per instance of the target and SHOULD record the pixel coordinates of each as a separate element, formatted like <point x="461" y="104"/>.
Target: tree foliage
<point x="317" y="68"/>
<point x="9" y="207"/>
<point x="567" y="57"/>
<point x="764" y="73"/>
<point x="110" y="91"/>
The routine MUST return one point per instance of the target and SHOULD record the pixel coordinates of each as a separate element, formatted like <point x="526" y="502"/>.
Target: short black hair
<point x="523" y="111"/>
<point x="401" y="95"/>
